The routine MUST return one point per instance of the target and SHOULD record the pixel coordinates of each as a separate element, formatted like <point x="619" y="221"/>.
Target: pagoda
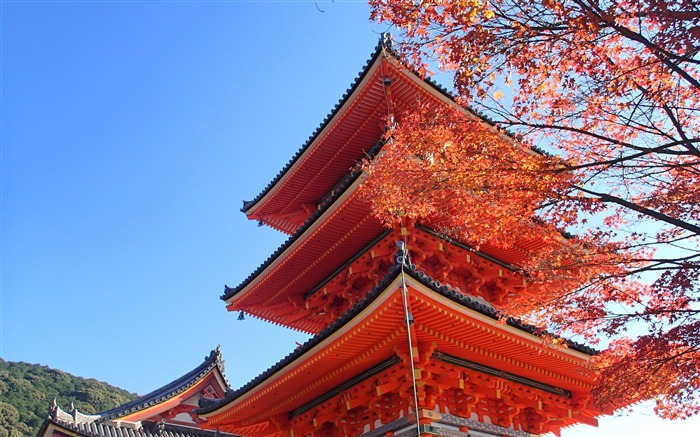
<point x="406" y="335"/>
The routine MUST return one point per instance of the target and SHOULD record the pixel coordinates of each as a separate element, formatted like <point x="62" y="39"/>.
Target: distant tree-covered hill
<point x="26" y="391"/>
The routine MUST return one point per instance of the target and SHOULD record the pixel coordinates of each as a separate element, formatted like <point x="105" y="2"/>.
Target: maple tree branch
<point x="666" y="148"/>
<point x="674" y="121"/>
<point x="642" y="210"/>
<point x="673" y="243"/>
<point x="680" y="130"/>
<point x="613" y="88"/>
<point x="622" y="159"/>
<point x="663" y="55"/>
<point x="609" y="316"/>
<point x="660" y="265"/>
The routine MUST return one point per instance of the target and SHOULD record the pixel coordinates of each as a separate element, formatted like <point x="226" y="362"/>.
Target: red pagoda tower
<point x="406" y="336"/>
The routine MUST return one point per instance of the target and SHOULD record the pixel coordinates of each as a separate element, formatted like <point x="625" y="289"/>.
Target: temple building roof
<point x="384" y="86"/>
<point x="364" y="351"/>
<point x="212" y="362"/>
<point x="478" y="306"/>
<point x="339" y="229"/>
<point x="338" y="232"/>
<point x="166" y="411"/>
<point x="111" y="429"/>
<point x="384" y="325"/>
<point x="327" y="202"/>
<point x="248" y="204"/>
<point x="314" y="198"/>
<point x="383" y="49"/>
<point x="326" y="249"/>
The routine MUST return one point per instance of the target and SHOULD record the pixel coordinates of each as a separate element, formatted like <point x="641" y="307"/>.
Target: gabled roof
<point x="399" y="268"/>
<point x="211" y="362"/>
<point x="141" y="417"/>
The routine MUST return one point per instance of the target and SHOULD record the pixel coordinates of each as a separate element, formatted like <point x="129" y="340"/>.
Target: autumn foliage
<point x="611" y="91"/>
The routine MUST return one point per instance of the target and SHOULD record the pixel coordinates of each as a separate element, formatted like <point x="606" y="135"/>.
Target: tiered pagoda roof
<point x="400" y="337"/>
<point x="346" y="136"/>
<point x="384" y="327"/>
<point x="359" y="355"/>
<point x="315" y="199"/>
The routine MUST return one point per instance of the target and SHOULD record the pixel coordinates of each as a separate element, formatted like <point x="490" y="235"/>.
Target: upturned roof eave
<point x="212" y="362"/>
<point x="383" y="51"/>
<point x="209" y="408"/>
<point x="349" y="181"/>
<point x="250" y="207"/>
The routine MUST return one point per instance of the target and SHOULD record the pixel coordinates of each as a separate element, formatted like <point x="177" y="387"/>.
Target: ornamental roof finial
<point x="386" y="40"/>
<point x="401" y="256"/>
<point x="53" y="409"/>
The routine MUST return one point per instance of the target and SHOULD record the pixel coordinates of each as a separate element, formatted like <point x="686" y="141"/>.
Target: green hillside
<point x="27" y="389"/>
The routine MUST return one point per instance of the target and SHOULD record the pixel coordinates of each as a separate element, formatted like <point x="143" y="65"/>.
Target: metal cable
<point x="408" y="318"/>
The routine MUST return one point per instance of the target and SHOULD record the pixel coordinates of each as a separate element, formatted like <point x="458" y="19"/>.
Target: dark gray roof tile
<point x="109" y="429"/>
<point x="169" y="390"/>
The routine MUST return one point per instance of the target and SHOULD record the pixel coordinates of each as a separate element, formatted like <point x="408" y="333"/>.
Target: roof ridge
<point x="117" y="429"/>
<point x="379" y="49"/>
<point x="72" y="415"/>
<point x="171" y="389"/>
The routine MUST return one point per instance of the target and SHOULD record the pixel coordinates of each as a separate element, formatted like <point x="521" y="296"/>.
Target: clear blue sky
<point x="131" y="132"/>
